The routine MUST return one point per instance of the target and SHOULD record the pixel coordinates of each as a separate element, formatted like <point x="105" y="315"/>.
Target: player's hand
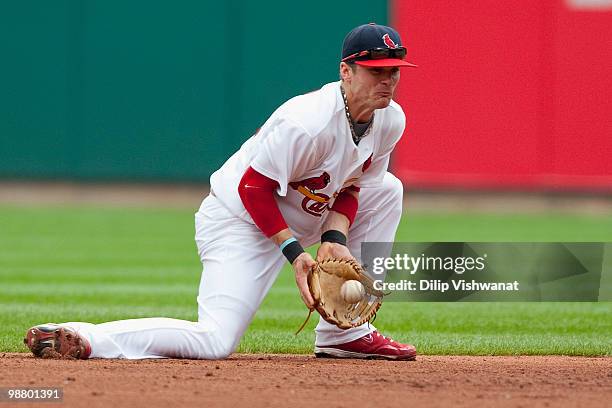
<point x="302" y="265"/>
<point x="333" y="250"/>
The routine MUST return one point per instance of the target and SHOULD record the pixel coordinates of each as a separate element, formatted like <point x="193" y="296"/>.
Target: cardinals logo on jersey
<point x="312" y="183"/>
<point x="389" y="42"/>
<point x="313" y="203"/>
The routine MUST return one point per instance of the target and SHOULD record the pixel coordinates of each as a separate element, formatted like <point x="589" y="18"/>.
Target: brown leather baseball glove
<point x="325" y="282"/>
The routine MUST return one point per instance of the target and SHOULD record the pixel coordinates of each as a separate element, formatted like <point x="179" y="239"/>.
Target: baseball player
<point x="315" y="172"/>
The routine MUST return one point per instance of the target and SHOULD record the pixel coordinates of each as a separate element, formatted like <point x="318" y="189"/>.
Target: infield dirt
<point x="303" y="381"/>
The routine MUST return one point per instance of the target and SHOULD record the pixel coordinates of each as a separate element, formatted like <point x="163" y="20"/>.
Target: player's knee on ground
<point x="218" y="342"/>
<point x="223" y="350"/>
<point x="214" y="346"/>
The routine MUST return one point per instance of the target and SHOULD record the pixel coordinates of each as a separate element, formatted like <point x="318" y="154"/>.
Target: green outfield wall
<point x="155" y="90"/>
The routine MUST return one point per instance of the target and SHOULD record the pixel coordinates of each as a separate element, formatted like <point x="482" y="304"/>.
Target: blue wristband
<point x="287" y="242"/>
<point x="291" y="248"/>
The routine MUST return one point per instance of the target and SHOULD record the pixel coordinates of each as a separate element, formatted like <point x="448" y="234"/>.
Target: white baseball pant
<point x="239" y="266"/>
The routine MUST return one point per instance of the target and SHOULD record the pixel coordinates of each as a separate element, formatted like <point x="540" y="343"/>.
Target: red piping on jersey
<point x="257" y="194"/>
<point x="346" y="204"/>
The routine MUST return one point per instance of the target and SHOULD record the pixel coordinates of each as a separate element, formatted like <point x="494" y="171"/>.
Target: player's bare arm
<point x="302" y="265"/>
<point x="336" y="221"/>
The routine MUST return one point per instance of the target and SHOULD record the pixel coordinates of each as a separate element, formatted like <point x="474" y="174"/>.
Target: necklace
<point x="356" y="138"/>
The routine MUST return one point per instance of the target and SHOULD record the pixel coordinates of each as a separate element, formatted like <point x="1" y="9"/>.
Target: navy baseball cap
<point x="374" y="45"/>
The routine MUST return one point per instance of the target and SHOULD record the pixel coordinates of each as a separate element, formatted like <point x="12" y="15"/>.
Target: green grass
<point x="96" y="265"/>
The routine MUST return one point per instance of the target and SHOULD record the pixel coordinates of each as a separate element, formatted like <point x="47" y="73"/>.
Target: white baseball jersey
<point x="307" y="147"/>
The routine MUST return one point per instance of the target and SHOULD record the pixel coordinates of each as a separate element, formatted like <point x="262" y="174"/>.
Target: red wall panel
<point x="507" y="94"/>
<point x="583" y="108"/>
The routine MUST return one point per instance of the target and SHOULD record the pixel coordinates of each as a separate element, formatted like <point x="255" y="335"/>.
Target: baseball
<point x="352" y="291"/>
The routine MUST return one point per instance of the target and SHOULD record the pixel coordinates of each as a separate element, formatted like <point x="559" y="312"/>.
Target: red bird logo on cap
<point x="388" y="41"/>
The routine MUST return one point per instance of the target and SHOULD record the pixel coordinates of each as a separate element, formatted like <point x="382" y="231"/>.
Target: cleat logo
<point x="388" y="41"/>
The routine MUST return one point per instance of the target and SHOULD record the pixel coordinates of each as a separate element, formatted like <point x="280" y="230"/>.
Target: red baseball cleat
<point x="54" y="341"/>
<point x="370" y="346"/>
